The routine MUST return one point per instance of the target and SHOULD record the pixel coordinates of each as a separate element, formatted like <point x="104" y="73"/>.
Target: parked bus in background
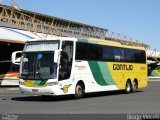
<point x="154" y="70"/>
<point x="9" y="73"/>
<point x="63" y="65"/>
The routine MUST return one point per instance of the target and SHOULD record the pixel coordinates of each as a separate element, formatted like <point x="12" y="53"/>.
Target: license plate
<point x="35" y="90"/>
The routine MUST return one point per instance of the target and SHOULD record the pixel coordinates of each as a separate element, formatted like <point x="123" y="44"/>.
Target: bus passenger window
<point x="119" y="54"/>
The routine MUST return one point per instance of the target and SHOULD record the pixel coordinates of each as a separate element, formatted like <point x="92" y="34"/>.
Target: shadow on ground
<point x="68" y="97"/>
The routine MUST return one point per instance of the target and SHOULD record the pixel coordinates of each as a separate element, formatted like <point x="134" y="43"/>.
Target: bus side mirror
<point x="16" y="57"/>
<point x="56" y="55"/>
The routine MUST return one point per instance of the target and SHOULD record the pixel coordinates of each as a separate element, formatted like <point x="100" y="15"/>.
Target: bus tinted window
<point x="137" y="56"/>
<point x="94" y="52"/>
<point x="108" y="54"/>
<point x="119" y="54"/>
<point x="81" y="51"/>
<point x="86" y="51"/>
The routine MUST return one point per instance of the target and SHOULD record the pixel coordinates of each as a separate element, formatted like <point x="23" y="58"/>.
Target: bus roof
<point x="89" y="40"/>
<point x="106" y="42"/>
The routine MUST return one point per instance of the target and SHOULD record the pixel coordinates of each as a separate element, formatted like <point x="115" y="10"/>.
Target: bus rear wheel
<point x="128" y="87"/>
<point x="79" y="91"/>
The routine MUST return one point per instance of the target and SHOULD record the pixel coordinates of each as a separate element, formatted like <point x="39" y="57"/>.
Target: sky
<point x="139" y="19"/>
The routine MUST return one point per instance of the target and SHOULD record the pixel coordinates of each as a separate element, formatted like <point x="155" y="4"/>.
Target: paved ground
<point x="8" y="90"/>
<point x="145" y="101"/>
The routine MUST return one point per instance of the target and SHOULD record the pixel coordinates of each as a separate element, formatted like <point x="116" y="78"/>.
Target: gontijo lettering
<point x="122" y="67"/>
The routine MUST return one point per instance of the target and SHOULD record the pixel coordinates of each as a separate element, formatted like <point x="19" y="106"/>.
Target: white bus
<point x="63" y="65"/>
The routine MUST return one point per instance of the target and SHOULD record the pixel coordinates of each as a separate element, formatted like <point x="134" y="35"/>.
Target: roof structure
<point x="26" y="25"/>
<point x="39" y="23"/>
<point x="15" y="35"/>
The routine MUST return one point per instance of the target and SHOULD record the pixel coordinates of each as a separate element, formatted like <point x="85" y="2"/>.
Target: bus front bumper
<point x="48" y="90"/>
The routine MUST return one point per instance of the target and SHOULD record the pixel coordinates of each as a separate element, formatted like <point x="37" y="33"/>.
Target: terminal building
<point x="19" y="26"/>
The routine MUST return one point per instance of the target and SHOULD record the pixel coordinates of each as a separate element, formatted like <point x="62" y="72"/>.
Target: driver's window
<point x="66" y="60"/>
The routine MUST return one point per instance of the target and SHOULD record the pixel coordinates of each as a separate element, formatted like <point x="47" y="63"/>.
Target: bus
<point x="9" y="73"/>
<point x="154" y="70"/>
<point x="63" y="65"/>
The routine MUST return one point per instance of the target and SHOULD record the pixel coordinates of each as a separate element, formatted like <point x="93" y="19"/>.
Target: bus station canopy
<point x="15" y="35"/>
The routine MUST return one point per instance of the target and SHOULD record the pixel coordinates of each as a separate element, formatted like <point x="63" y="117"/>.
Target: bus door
<point x="66" y="60"/>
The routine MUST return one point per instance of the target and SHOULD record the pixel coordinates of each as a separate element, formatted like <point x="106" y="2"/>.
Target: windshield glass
<point x="38" y="60"/>
<point x="38" y="65"/>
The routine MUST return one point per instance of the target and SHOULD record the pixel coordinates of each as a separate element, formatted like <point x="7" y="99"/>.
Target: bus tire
<point x="134" y="86"/>
<point x="79" y="91"/>
<point x="128" y="87"/>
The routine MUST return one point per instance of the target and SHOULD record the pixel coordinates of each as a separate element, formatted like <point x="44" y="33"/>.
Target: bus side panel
<point x="95" y="75"/>
<point x="101" y="73"/>
<point x="121" y="72"/>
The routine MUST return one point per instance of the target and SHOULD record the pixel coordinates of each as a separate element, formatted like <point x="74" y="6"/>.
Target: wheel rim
<point x="128" y="87"/>
<point x="79" y="91"/>
<point x="134" y="86"/>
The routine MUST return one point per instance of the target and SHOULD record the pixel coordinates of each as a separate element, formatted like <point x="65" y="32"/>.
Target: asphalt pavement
<point x="144" y="101"/>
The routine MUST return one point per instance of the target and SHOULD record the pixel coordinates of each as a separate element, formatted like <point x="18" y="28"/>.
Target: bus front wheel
<point x="79" y="91"/>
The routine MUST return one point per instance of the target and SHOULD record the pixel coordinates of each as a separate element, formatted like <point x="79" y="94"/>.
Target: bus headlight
<point x="21" y="83"/>
<point x="52" y="83"/>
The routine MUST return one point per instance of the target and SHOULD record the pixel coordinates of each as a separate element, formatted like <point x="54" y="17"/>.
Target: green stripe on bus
<point x="39" y="82"/>
<point x="97" y="74"/>
<point x="106" y="73"/>
<point x="154" y="74"/>
<point x="83" y="40"/>
<point x="87" y="41"/>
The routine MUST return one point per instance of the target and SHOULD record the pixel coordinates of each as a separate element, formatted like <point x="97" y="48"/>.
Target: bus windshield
<point x="38" y="65"/>
<point x="38" y="60"/>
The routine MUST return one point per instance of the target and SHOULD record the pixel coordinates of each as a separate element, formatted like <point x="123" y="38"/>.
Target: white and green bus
<point x="63" y="65"/>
